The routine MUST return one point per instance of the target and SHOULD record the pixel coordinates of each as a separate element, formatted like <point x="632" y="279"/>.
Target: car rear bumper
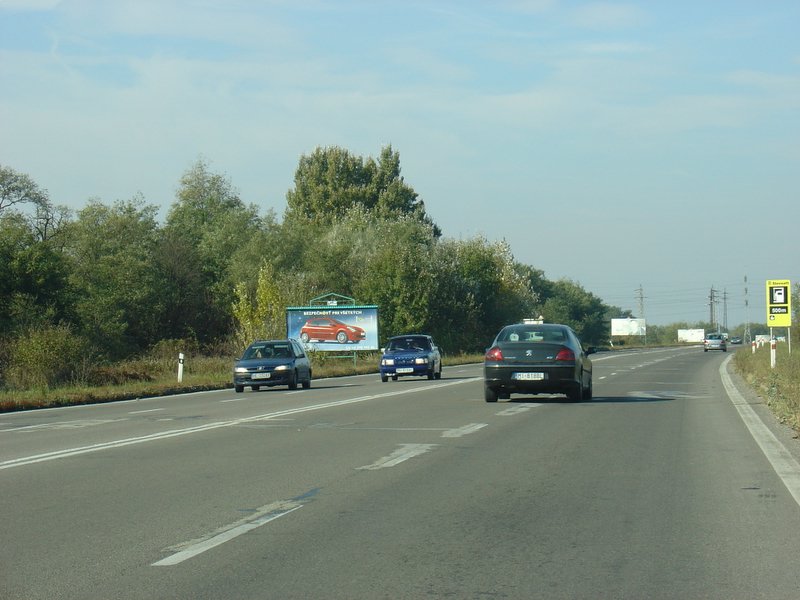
<point x="556" y="380"/>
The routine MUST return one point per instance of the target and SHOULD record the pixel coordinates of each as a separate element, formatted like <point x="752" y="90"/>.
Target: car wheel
<point x="438" y="374"/>
<point x="384" y="378"/>
<point x="304" y="337"/>
<point x="705" y="349"/>
<point x="489" y="394"/>
<point x="293" y="381"/>
<point x="307" y="383"/>
<point x="341" y="337"/>
<point x="431" y="374"/>
<point x="575" y="392"/>
<point x="255" y="388"/>
<point x="394" y="377"/>
<point x="239" y="388"/>
<point x="587" y="391"/>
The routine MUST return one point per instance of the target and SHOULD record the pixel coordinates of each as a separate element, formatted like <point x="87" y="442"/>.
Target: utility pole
<point x="711" y="301"/>
<point x="640" y="294"/>
<point x="641" y="310"/>
<point x="725" y="309"/>
<point x="747" y="335"/>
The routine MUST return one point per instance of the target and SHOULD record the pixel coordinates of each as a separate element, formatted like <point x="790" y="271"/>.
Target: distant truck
<point x="691" y="336"/>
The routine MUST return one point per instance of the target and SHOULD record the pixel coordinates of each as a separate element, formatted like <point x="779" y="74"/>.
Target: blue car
<point x="267" y="363"/>
<point x="416" y="355"/>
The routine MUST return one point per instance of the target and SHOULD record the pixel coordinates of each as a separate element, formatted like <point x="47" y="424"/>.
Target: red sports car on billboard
<point x="326" y="329"/>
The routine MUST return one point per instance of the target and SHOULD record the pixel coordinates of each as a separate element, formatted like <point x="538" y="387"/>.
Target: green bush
<point x="46" y="356"/>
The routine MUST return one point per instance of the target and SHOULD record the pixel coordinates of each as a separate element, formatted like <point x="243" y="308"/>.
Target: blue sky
<point x="617" y="144"/>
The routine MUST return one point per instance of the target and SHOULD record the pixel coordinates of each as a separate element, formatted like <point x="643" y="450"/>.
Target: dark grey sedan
<point x="537" y="359"/>
<point x="272" y="362"/>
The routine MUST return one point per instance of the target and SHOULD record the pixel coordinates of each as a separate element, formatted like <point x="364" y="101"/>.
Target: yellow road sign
<point x="779" y="303"/>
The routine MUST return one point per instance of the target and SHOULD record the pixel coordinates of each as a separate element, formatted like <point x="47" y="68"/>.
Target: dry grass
<point x="149" y="377"/>
<point x="780" y="387"/>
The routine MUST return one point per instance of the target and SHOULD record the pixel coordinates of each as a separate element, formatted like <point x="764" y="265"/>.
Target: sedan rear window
<point x="529" y="334"/>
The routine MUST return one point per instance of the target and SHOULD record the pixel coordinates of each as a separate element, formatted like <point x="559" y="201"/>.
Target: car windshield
<point x="277" y="350"/>
<point x="528" y="334"/>
<point x="411" y="344"/>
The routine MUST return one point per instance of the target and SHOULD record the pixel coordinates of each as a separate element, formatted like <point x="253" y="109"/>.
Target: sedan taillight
<point x="565" y="355"/>
<point x="494" y="355"/>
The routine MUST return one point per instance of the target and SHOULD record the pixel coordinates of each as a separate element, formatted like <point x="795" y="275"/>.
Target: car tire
<point x="587" y="391"/>
<point x="394" y="377"/>
<point x="705" y="349"/>
<point x="341" y="337"/>
<point x="304" y="337"/>
<point x="255" y="388"/>
<point x="293" y="381"/>
<point x="384" y="378"/>
<point x="575" y="392"/>
<point x="239" y="388"/>
<point x="489" y="394"/>
<point x="307" y="383"/>
<point x="431" y="374"/>
<point x="438" y="374"/>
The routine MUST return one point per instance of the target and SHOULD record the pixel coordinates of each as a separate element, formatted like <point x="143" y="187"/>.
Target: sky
<point x="648" y="151"/>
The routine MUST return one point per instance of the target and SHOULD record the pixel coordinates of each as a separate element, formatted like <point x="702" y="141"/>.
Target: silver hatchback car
<point x="715" y="341"/>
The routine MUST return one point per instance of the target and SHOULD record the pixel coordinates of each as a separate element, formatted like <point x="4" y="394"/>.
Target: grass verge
<point x="149" y="378"/>
<point x="780" y="387"/>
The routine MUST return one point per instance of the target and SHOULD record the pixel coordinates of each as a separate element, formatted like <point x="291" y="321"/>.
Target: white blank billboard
<point x="628" y="327"/>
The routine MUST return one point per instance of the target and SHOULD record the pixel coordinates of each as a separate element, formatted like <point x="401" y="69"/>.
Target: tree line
<point x="109" y="281"/>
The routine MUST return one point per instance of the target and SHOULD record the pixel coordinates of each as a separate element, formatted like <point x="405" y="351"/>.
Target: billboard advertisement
<point x="334" y="328"/>
<point x="628" y="327"/>
<point x="691" y="335"/>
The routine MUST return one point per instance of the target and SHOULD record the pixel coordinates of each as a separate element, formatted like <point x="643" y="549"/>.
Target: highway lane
<point x="357" y="489"/>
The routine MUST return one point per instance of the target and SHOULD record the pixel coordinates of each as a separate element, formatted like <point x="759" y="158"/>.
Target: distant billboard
<point x="691" y="335"/>
<point x="624" y="327"/>
<point x="334" y="328"/>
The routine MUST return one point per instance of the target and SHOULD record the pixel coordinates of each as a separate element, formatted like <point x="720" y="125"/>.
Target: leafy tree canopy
<point x="331" y="181"/>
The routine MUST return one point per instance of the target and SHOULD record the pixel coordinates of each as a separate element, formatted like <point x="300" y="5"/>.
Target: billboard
<point x="334" y="328"/>
<point x="628" y="327"/>
<point x="691" y="335"/>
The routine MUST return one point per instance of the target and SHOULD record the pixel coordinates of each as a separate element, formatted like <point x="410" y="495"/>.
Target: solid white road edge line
<point x="784" y="464"/>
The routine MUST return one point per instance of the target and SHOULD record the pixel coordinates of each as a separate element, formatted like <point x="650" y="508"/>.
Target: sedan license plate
<point x="405" y="370"/>
<point x="527" y="376"/>
<point x="261" y="375"/>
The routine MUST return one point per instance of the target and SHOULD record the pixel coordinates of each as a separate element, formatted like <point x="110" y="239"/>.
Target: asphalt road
<point x="656" y="488"/>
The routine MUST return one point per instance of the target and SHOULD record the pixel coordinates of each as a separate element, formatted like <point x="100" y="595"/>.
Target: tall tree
<point x="33" y="277"/>
<point x="569" y="303"/>
<point x="331" y="181"/>
<point x="17" y="189"/>
<point x="208" y="222"/>
<point x="112" y="249"/>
